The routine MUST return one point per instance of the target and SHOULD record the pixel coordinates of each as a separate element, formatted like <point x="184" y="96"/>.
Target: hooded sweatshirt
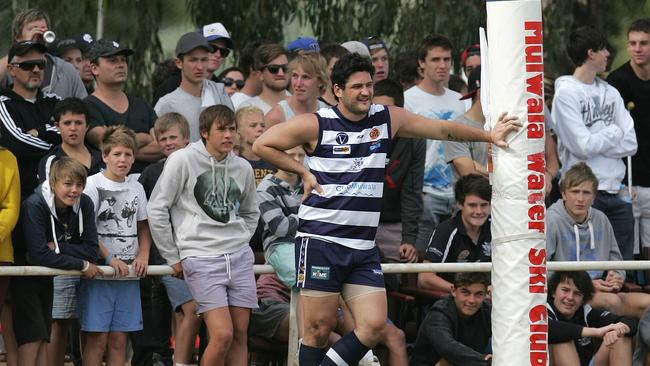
<point x="75" y="238"/>
<point x="212" y="205"/>
<point x="591" y="240"/>
<point x="444" y="334"/>
<point x="593" y="126"/>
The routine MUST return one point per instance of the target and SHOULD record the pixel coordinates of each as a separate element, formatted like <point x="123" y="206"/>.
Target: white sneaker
<point x="369" y="360"/>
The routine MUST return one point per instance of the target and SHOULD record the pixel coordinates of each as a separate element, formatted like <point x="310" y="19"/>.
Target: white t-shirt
<point x="118" y="208"/>
<point x="238" y="98"/>
<point x="437" y="172"/>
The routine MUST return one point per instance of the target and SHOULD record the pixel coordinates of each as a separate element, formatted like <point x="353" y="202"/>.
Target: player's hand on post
<point x="310" y="183"/>
<point x="502" y="128"/>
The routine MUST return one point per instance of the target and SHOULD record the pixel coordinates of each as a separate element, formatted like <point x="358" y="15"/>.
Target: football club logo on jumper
<point x="374" y="133"/>
<point x="342" y="138"/>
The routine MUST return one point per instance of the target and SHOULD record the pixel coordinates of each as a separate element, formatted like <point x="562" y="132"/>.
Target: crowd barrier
<point x="386" y="267"/>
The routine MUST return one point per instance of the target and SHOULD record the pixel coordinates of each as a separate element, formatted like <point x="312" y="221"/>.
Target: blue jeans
<point x="435" y="209"/>
<point x="620" y="215"/>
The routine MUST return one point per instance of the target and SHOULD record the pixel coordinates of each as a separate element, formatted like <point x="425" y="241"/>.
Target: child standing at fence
<point x="58" y="231"/>
<point x="208" y="194"/>
<point x="108" y="309"/>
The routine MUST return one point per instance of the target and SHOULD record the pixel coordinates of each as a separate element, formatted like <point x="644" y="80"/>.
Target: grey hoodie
<point x="212" y="205"/>
<point x="592" y="240"/>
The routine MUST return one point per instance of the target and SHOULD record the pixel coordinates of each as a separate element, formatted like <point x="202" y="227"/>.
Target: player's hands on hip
<point x="310" y="183"/>
<point x="502" y="128"/>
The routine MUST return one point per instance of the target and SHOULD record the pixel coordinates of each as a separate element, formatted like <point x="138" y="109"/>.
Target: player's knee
<point x="319" y="329"/>
<point x="372" y="332"/>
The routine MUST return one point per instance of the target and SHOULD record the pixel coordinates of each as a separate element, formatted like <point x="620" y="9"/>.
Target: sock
<point x="310" y="356"/>
<point x="347" y="351"/>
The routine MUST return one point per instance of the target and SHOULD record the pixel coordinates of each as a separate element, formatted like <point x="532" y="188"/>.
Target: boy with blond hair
<point x="109" y="309"/>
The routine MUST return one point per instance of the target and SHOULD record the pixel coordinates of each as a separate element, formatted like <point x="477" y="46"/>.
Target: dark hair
<point x="219" y="114"/>
<point x="332" y="50"/>
<point x="640" y="25"/>
<point x="392" y="89"/>
<point x="70" y="105"/>
<point x="474" y="184"/>
<point x="470" y="278"/>
<point x="231" y="68"/>
<point x="580" y="278"/>
<point x="267" y="53"/>
<point x="431" y="41"/>
<point x="348" y="65"/>
<point x="406" y="68"/>
<point x="583" y="39"/>
<point x="456" y="83"/>
<point x="163" y="70"/>
<point x="247" y="56"/>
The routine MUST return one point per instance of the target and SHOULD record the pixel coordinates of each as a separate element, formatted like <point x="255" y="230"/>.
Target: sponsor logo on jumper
<point x="377" y="272"/>
<point x="358" y="189"/>
<point x="357" y="164"/>
<point x="462" y="256"/>
<point x="342" y="138"/>
<point x="341" y="149"/>
<point x="375" y="145"/>
<point x="320" y="273"/>
<point x="374" y="133"/>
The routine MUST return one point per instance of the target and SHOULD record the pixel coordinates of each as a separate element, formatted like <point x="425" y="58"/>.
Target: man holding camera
<point x="60" y="77"/>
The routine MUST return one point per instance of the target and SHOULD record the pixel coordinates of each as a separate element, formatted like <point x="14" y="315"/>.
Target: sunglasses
<point x="274" y="69"/>
<point x="223" y="50"/>
<point x="229" y="81"/>
<point x="29" y="65"/>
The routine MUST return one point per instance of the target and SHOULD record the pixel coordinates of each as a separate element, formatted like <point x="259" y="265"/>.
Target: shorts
<point x="282" y="259"/>
<point x="66" y="289"/>
<point x="110" y="306"/>
<point x="32" y="308"/>
<point x="326" y="266"/>
<point x="225" y="280"/>
<point x="267" y="318"/>
<point x="177" y="291"/>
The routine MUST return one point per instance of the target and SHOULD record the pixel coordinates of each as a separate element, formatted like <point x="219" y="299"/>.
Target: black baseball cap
<point x="106" y="48"/>
<point x="22" y="47"/>
<point x="473" y="82"/>
<point x="80" y="41"/>
<point x="190" y="41"/>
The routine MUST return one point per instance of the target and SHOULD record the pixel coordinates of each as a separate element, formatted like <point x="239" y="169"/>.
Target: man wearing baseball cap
<point x="469" y="157"/>
<point x="470" y="58"/>
<point x="25" y="128"/>
<point x="73" y="49"/>
<point x="110" y="105"/>
<point x="379" y="57"/>
<point x="217" y="35"/>
<point x="195" y="92"/>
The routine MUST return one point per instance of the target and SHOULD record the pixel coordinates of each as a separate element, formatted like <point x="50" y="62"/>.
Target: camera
<point x="49" y="37"/>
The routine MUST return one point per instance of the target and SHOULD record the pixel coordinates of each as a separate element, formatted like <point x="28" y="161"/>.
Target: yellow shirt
<point x="9" y="202"/>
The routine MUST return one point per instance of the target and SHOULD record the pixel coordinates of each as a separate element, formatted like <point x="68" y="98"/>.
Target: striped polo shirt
<point x="348" y="163"/>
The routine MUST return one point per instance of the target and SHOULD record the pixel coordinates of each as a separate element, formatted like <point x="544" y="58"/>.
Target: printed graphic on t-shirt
<point x="594" y="110"/>
<point x="217" y="194"/>
<point x="437" y="172"/>
<point x="116" y="224"/>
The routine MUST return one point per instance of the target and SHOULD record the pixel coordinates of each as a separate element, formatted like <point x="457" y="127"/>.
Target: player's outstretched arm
<point x="407" y="124"/>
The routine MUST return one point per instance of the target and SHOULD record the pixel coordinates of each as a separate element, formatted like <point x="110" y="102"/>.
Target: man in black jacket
<point x="458" y="329"/>
<point x="402" y="200"/>
<point x="26" y="126"/>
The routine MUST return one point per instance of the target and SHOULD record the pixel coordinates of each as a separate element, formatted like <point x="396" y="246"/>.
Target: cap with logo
<point x="80" y="41"/>
<point x="191" y="40"/>
<point x="473" y="50"/>
<point x="374" y="43"/>
<point x="306" y="44"/>
<point x="473" y="83"/>
<point x="216" y="31"/>
<point x="106" y="48"/>
<point x="22" y="47"/>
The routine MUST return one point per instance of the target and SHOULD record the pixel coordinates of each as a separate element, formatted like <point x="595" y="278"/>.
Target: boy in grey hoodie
<point x="578" y="232"/>
<point x="208" y="194"/>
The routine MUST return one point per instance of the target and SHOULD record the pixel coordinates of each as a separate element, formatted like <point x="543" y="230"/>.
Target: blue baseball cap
<point x="307" y="44"/>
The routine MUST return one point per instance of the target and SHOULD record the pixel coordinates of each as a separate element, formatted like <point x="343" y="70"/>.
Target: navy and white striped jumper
<point x="348" y="163"/>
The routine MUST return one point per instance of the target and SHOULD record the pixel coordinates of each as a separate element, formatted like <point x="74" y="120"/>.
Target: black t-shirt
<point x="148" y="179"/>
<point x="139" y="117"/>
<point x="261" y="169"/>
<point x="636" y="95"/>
<point x="451" y="244"/>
